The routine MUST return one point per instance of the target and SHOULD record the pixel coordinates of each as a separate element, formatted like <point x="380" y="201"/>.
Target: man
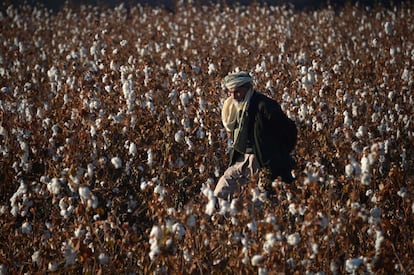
<point x="263" y="136"/>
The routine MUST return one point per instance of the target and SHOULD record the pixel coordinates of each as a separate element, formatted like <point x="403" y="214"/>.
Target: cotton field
<point x="111" y="140"/>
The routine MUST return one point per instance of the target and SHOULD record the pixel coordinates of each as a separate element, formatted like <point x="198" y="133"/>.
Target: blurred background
<point x="55" y="5"/>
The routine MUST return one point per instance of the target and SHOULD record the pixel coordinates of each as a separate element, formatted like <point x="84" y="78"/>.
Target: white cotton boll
<point x="54" y="186"/>
<point x="202" y="168"/>
<point x="35" y="257"/>
<point x="211" y="206"/>
<point x="90" y="169"/>
<point x="160" y="191"/>
<point x="103" y="258"/>
<point x="262" y="270"/>
<point x="315" y="248"/>
<point x="378" y="240"/>
<point x="269" y="85"/>
<point x="347" y="119"/>
<point x="79" y="232"/>
<point x="132" y="150"/>
<point x="185" y="99"/>
<point x="52" y="266"/>
<point x="92" y="202"/>
<point x="187" y="255"/>
<point x="270" y="240"/>
<point x="211" y="68"/>
<point x="116" y="162"/>
<point x="362" y="131"/>
<point x="202" y="104"/>
<point x="292" y="209"/>
<point x="3" y="210"/>
<point x="93" y="131"/>
<point x="352" y="265"/>
<point x="195" y="69"/>
<point x="189" y="143"/>
<point x="150" y="157"/>
<point x="123" y="43"/>
<point x="293" y="239"/>
<point x="389" y="28"/>
<point x="349" y="170"/>
<point x="224" y="207"/>
<point x="365" y="165"/>
<point x="257" y="260"/>
<point x="406" y="75"/>
<point x="375" y="215"/>
<point x="179" y="230"/>
<point x="402" y="192"/>
<point x="155" y="233"/>
<point x="303" y="111"/>
<point x="26" y="228"/>
<point x="69" y="254"/>
<point x="179" y="136"/>
<point x="252" y="226"/>
<point x="365" y="179"/>
<point x="233" y="207"/>
<point x="84" y="193"/>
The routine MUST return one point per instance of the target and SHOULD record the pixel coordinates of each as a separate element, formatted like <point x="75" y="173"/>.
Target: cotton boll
<point x="160" y="191"/>
<point x="257" y="260"/>
<point x="252" y="226"/>
<point x="154" y="238"/>
<point x="93" y="131"/>
<point x="389" y="28"/>
<point x="211" y="206"/>
<point x="103" y="258"/>
<point x="185" y="99"/>
<point x="26" y="228"/>
<point x="116" y="162"/>
<point x="179" y="136"/>
<point x="365" y="179"/>
<point x="189" y="143"/>
<point x="90" y="169"/>
<point x="365" y="164"/>
<point x="52" y="266"/>
<point x="378" y="241"/>
<point x="69" y="254"/>
<point x="361" y="132"/>
<point x="150" y="157"/>
<point x="402" y="192"/>
<point x="187" y="255"/>
<point x="84" y="193"/>
<point x="132" y="150"/>
<point x="293" y="239"/>
<point x="211" y="68"/>
<point x="270" y="240"/>
<point x="224" y="207"/>
<point x="352" y="265"/>
<point x="35" y="257"/>
<point x="92" y="202"/>
<point x="349" y="170"/>
<point x="54" y="186"/>
<point x="179" y="230"/>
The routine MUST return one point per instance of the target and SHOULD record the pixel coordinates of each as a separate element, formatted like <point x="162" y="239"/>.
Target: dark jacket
<point x="265" y="124"/>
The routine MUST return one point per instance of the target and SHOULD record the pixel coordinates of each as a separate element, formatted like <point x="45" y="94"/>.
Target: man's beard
<point x="238" y="104"/>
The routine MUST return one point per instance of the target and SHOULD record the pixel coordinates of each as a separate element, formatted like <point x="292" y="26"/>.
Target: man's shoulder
<point x="263" y="101"/>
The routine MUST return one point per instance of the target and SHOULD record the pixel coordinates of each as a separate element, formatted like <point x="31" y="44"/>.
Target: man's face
<point x="239" y="93"/>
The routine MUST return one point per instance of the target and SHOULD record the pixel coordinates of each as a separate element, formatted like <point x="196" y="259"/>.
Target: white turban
<point x="238" y="79"/>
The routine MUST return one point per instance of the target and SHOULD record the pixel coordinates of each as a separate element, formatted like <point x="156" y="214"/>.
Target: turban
<point x="238" y="79"/>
